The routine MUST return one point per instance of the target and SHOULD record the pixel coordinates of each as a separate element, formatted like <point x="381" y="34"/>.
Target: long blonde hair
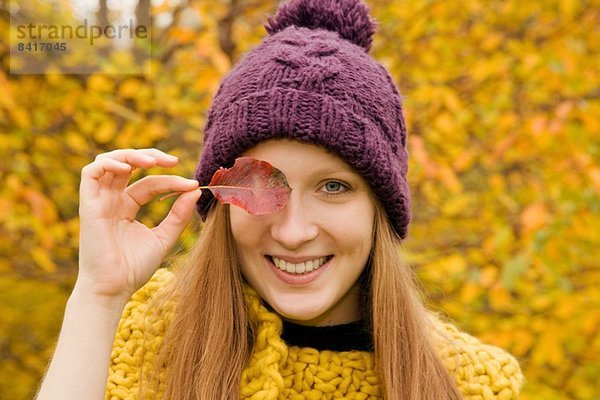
<point x="210" y="338"/>
<point x="407" y="363"/>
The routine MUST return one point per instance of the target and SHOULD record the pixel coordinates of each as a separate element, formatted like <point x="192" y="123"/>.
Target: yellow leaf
<point x="533" y="217"/>
<point x="162" y="7"/>
<point x="449" y="179"/>
<point x="220" y="62"/>
<point x="21" y="117"/>
<point x="106" y="131"/>
<point x="41" y="207"/>
<point x="523" y="341"/>
<point x="488" y="276"/>
<point x="458" y="204"/>
<point x="567" y="307"/>
<point x="563" y="109"/>
<point x="5" y="208"/>
<point x="470" y="292"/>
<point x="491" y="41"/>
<point x="76" y="141"/>
<point x="465" y="159"/>
<point x="182" y="35"/>
<point x="538" y="125"/>
<point x="594" y="174"/>
<point x="500" y="298"/>
<point x="541" y="302"/>
<point x="43" y="259"/>
<point x="129" y="88"/>
<point x="419" y="153"/>
<point x="446" y="123"/>
<point x="548" y="349"/>
<point x="101" y="83"/>
<point x="590" y="324"/>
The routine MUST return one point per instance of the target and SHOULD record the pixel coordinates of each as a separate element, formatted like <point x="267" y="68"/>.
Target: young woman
<point x="309" y="302"/>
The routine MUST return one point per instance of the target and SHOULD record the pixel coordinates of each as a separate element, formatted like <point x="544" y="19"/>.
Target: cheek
<point x="363" y="226"/>
<point x="351" y="232"/>
<point x="246" y="230"/>
<point x="354" y="224"/>
<point x="239" y="227"/>
<point x="361" y="245"/>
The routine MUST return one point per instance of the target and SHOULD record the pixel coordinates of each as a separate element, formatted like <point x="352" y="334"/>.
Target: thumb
<point x="173" y="225"/>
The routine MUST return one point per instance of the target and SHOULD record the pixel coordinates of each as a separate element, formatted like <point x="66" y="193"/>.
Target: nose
<point x="294" y="225"/>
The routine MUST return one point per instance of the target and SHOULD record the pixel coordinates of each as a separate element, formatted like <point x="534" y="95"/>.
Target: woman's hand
<point x="118" y="254"/>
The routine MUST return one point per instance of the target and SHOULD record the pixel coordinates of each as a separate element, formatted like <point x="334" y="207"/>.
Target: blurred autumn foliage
<point x="502" y="101"/>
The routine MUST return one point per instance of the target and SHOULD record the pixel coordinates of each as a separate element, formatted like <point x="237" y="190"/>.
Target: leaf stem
<point x="200" y="188"/>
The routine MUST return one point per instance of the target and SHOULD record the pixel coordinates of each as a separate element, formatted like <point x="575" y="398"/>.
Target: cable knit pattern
<point x="137" y="340"/>
<point x="277" y="371"/>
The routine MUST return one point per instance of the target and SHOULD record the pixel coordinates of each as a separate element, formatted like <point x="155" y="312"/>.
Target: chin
<point x="301" y="313"/>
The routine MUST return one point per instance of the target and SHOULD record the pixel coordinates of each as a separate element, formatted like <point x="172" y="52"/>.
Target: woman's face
<point x="305" y="259"/>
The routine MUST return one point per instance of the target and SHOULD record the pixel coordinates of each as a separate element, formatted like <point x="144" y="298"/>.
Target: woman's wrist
<point x="79" y="368"/>
<point x="91" y="297"/>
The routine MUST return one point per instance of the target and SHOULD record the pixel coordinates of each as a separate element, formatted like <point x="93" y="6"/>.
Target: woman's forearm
<point x="79" y="368"/>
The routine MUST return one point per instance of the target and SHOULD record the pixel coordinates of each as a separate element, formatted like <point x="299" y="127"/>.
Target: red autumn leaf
<point x="254" y="185"/>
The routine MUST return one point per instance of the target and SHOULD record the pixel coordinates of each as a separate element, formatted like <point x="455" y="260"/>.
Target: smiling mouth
<point x="300" y="268"/>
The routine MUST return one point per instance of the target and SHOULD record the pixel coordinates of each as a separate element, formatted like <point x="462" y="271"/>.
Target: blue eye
<point x="335" y="187"/>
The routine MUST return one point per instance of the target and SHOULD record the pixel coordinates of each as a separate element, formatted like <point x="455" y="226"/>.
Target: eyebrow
<point x="330" y="170"/>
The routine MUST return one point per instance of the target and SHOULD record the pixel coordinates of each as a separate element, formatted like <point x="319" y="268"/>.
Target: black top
<point x="345" y="337"/>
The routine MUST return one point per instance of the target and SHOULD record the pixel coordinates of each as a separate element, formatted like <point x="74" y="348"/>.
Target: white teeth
<point x="300" y="268"/>
<point x="308" y="266"/>
<point x="290" y="268"/>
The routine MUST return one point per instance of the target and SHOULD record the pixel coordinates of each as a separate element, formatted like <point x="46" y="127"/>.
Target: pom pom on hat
<point x="349" y="18"/>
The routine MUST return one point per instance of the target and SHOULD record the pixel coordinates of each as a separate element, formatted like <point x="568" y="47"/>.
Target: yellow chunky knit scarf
<point x="277" y="371"/>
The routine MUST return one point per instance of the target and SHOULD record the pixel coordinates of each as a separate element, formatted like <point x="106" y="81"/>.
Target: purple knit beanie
<point x="312" y="80"/>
